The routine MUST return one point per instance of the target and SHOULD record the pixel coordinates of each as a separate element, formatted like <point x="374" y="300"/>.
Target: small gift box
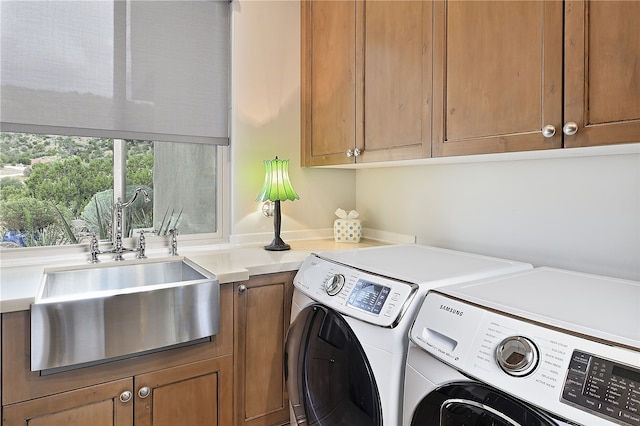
<point x="347" y="228"/>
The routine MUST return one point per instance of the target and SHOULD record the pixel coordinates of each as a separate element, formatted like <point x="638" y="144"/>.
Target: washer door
<point x="476" y="404"/>
<point x="329" y="379"/>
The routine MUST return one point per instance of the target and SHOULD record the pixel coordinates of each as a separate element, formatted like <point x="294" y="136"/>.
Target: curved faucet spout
<point x="119" y="207"/>
<point x="133" y="198"/>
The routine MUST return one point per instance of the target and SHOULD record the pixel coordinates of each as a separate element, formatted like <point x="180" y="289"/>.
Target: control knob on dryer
<point x="334" y="284"/>
<point x="517" y="356"/>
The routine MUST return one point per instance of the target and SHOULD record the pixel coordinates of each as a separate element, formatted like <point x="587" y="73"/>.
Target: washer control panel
<point x="543" y="366"/>
<point x="365" y="296"/>
<point x="606" y="387"/>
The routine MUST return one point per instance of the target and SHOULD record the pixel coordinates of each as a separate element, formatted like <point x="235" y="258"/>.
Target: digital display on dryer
<point x="604" y="387"/>
<point x="368" y="296"/>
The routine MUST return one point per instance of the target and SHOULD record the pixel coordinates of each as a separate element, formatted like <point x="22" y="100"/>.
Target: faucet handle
<point x="94" y="249"/>
<point x="142" y="245"/>
<point x="173" y="243"/>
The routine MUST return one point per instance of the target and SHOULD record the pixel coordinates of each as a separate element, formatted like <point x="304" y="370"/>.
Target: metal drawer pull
<point x="144" y="392"/>
<point x="548" y="131"/>
<point x="125" y="396"/>
<point x="570" y="128"/>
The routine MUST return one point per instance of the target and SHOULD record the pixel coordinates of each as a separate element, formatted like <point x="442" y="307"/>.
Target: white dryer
<point x="537" y="348"/>
<point x="346" y="346"/>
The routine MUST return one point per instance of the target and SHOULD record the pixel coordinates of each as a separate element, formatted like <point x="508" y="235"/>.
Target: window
<point x="59" y="190"/>
<point x="99" y="98"/>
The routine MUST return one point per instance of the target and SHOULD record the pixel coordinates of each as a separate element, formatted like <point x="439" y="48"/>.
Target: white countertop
<point x="19" y="284"/>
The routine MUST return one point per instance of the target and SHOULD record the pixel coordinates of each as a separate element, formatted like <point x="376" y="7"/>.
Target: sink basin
<point x="101" y="312"/>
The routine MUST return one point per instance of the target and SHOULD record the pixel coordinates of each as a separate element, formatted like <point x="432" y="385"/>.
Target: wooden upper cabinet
<point x="392" y="80"/>
<point x="366" y="80"/>
<point x="397" y="80"/>
<point x="602" y="72"/>
<point x="331" y="80"/>
<point x="497" y="76"/>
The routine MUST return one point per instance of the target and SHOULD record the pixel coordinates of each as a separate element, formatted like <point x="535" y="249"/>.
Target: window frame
<point x="157" y="246"/>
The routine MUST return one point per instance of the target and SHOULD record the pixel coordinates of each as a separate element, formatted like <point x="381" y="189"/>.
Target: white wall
<point x="580" y="213"/>
<point x="266" y="123"/>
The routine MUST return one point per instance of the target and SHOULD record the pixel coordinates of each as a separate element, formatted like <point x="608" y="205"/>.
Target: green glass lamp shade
<point x="277" y="186"/>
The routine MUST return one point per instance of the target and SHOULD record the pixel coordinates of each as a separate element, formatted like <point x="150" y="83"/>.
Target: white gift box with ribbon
<point x="347" y="228"/>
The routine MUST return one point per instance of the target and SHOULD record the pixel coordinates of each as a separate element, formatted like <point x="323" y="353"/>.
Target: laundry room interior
<point x="390" y="117"/>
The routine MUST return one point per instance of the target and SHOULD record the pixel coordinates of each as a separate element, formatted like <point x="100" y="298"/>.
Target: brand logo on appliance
<point x="451" y="310"/>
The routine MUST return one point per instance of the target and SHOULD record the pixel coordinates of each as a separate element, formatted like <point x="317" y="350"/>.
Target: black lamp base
<point x="277" y="245"/>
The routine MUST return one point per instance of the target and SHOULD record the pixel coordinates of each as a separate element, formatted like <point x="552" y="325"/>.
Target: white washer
<point x="351" y="313"/>
<point x="550" y="346"/>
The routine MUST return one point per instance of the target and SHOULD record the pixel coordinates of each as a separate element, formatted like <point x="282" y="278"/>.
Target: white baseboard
<point x="319" y="234"/>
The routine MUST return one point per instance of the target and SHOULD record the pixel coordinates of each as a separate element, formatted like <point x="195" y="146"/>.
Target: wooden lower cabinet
<point x="190" y="385"/>
<point x="97" y="405"/>
<point x="262" y="312"/>
<point x="191" y="394"/>
<point x="237" y="378"/>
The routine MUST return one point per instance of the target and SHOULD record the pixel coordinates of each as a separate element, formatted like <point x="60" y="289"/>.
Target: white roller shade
<point x="128" y="69"/>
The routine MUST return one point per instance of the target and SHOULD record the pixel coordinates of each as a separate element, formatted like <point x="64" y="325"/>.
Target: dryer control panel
<point x="371" y="298"/>
<point x="606" y="387"/>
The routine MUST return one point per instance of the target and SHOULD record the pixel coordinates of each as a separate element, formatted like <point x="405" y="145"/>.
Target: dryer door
<point x="469" y="403"/>
<point x="329" y="379"/>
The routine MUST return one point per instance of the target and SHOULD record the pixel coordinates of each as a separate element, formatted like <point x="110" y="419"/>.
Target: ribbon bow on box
<point x="342" y="214"/>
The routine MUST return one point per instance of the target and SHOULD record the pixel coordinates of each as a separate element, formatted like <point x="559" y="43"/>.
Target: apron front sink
<point x="98" y="313"/>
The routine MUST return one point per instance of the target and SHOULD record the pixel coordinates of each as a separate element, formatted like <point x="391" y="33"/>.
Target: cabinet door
<point x="98" y="405"/>
<point x="263" y="309"/>
<point x="602" y="73"/>
<point x="497" y="76"/>
<point x="331" y="80"/>
<point x="397" y="78"/>
<point x="199" y="393"/>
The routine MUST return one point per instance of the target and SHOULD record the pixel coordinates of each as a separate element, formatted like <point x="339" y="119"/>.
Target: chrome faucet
<point x="118" y="249"/>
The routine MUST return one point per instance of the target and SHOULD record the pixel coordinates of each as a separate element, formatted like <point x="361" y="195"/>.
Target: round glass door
<point x="456" y="412"/>
<point x="476" y="404"/>
<point x="329" y="379"/>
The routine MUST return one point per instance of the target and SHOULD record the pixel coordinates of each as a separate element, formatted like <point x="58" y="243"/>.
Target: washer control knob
<point x="334" y="284"/>
<point x="517" y="356"/>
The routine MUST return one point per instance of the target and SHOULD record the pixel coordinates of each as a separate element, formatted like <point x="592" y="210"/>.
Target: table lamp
<point x="276" y="188"/>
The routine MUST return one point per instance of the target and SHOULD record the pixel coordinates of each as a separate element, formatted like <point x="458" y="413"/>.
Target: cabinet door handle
<point x="144" y="392"/>
<point x="349" y="153"/>
<point x="548" y="131"/>
<point x="242" y="288"/>
<point x="125" y="396"/>
<point x="570" y="128"/>
<point x="356" y="152"/>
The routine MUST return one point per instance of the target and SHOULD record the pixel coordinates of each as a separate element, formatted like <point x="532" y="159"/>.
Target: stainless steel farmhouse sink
<point x="95" y="313"/>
